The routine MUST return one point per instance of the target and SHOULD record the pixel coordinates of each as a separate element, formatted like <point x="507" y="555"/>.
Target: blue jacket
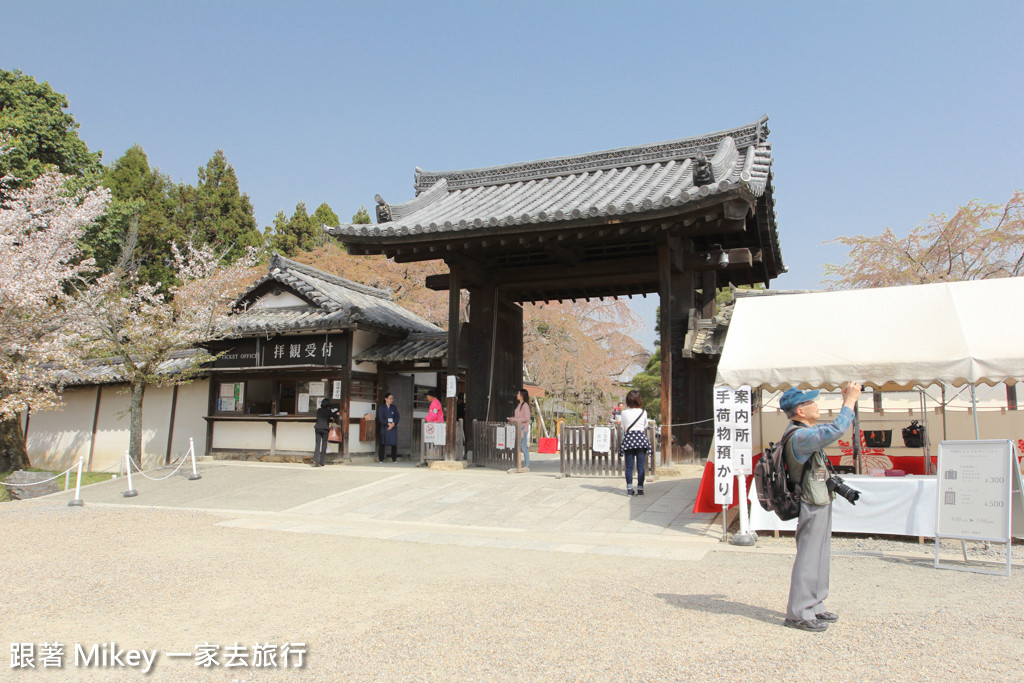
<point x="388" y="437"/>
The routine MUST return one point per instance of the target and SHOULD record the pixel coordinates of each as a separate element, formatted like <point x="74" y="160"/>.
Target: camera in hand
<point x="835" y="484"/>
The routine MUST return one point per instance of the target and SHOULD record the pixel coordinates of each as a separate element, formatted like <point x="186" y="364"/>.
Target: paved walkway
<point x="473" y="507"/>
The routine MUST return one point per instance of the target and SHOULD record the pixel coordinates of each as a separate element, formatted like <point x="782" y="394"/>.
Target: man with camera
<point x="808" y="468"/>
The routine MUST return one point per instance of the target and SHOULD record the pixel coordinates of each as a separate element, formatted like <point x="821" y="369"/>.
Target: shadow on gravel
<point x="717" y="604"/>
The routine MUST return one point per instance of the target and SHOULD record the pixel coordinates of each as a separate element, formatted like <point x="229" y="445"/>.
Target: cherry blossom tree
<point x="980" y="241"/>
<point x="578" y="351"/>
<point x="40" y="268"/>
<point x="155" y="336"/>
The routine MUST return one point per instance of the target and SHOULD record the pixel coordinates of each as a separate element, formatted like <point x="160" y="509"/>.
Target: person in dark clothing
<point x="387" y="419"/>
<point x="325" y="415"/>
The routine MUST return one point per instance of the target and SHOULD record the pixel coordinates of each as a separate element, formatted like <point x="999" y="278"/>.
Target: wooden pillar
<point x="684" y="368"/>
<point x="665" y="324"/>
<point x="708" y="294"/>
<point x="95" y="425"/>
<point x="170" y="426"/>
<point x="482" y="312"/>
<point x="453" y="360"/>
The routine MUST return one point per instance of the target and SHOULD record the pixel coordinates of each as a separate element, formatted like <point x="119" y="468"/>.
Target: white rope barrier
<point x="132" y="464"/>
<point x="37" y="483"/>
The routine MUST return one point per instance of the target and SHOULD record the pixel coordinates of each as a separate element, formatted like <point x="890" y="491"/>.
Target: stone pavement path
<point x="534" y="510"/>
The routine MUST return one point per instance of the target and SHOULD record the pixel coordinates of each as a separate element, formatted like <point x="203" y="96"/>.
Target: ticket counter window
<point x="281" y="397"/>
<point x="259" y="397"/>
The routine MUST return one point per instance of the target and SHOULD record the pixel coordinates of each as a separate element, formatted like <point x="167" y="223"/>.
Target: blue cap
<point x="791" y="398"/>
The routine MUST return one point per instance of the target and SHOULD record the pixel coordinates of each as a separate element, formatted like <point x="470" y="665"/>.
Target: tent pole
<point x="855" y="439"/>
<point x="924" y="427"/>
<point x="943" y="385"/>
<point x="974" y="409"/>
<point x="760" y="415"/>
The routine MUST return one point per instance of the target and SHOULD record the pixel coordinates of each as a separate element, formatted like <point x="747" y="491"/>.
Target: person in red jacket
<point x="434" y="413"/>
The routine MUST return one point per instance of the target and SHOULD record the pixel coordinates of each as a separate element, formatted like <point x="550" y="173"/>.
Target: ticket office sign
<point x="979" y="491"/>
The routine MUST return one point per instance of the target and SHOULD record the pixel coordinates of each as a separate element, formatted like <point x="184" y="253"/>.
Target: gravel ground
<point x="372" y="610"/>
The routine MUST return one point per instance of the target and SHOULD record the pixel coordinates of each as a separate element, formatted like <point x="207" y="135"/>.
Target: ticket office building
<point x="298" y="334"/>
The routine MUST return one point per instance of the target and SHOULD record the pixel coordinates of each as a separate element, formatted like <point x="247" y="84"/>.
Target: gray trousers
<point x="808" y="587"/>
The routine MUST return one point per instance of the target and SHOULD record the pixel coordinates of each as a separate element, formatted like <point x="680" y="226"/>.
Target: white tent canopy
<point x="893" y="337"/>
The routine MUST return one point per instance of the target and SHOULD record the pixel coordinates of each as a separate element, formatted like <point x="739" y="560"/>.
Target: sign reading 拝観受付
<point x="315" y="350"/>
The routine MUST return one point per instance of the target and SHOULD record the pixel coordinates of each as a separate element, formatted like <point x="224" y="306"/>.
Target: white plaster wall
<point x="426" y="379"/>
<point x="362" y="340"/>
<point x="156" y="425"/>
<point x="357" y="446"/>
<point x="280" y="300"/>
<point x="243" y="435"/>
<point x="57" y="438"/>
<point x="188" y="417"/>
<point x="295" y="436"/>
<point x="356" y="410"/>
<point x="112" y="427"/>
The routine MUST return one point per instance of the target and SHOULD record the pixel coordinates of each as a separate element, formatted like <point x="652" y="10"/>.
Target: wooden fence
<point x="485" y="450"/>
<point x="576" y="450"/>
<point x="578" y="457"/>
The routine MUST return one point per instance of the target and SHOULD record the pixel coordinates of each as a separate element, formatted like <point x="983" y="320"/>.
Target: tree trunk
<point x="13" y="455"/>
<point x="135" y="428"/>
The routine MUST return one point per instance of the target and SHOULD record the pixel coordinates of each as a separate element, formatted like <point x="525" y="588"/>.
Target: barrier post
<point x="192" y="450"/>
<point x="77" y="501"/>
<point x="745" y="536"/>
<point x="131" y="492"/>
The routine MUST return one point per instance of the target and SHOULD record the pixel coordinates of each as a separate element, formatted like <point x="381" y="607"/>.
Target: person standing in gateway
<point x="387" y="419"/>
<point x="521" y="419"/>
<point x="805" y="461"/>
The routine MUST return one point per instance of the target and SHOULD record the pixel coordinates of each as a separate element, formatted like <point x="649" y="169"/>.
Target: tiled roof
<point x="334" y="302"/>
<point x="624" y="182"/>
<point x="417" y="347"/>
<point x="111" y="370"/>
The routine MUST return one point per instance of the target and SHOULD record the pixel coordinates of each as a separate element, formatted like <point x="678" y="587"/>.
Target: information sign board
<point x="979" y="494"/>
<point x="602" y="439"/>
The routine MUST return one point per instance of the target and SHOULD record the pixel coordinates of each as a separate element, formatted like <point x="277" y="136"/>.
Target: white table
<point x="898" y="506"/>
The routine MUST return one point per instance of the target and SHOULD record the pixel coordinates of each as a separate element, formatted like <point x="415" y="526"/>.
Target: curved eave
<point x="695" y="198"/>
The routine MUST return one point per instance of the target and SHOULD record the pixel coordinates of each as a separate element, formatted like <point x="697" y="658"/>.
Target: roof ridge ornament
<point x="703" y="174"/>
<point x="383" y="209"/>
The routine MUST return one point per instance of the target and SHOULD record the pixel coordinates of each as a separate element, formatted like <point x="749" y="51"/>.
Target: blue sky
<point x="881" y="113"/>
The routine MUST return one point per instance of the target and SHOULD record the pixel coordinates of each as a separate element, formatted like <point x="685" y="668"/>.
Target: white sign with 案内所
<point x="732" y="443"/>
<point x="979" y="493"/>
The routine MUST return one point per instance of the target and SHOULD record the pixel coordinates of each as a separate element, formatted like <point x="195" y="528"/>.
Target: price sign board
<point x="979" y="494"/>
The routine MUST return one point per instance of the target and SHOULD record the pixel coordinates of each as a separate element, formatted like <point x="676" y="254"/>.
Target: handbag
<point x="334" y="434"/>
<point x="634" y="440"/>
<point x="913" y="435"/>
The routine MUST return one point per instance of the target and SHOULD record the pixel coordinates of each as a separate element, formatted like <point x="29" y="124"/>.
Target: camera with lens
<point x="835" y="484"/>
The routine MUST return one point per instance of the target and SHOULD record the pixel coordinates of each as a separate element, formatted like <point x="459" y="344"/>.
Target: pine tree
<point x="143" y="194"/>
<point x="216" y="212"/>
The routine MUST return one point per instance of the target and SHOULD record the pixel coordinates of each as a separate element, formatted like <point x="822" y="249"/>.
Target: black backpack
<point x="775" y="492"/>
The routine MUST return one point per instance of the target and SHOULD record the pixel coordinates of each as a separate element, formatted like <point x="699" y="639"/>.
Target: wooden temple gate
<point x="681" y="218"/>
